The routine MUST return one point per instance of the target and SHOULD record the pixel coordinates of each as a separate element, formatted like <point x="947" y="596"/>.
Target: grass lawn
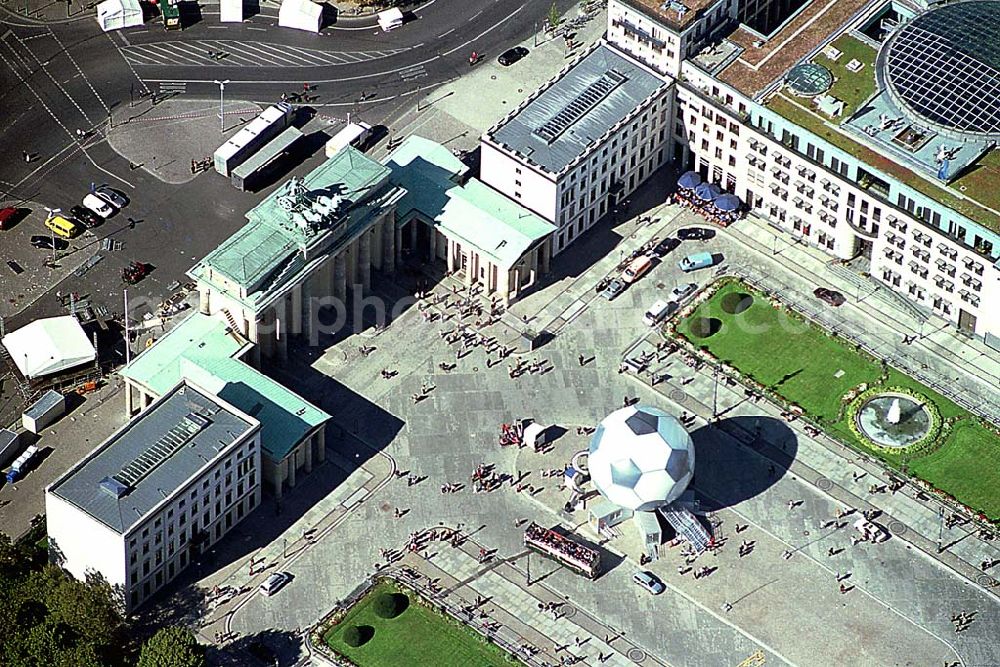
<point x="852" y="87"/>
<point x="801" y="363"/>
<point x="418" y="636"/>
<point x="965" y="467"/>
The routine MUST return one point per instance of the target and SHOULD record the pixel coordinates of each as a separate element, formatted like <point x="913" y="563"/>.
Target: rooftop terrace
<point x="677" y="15"/>
<point x="761" y="64"/>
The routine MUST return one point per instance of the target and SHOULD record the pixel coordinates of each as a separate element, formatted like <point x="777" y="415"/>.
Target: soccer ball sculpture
<point x="641" y="458"/>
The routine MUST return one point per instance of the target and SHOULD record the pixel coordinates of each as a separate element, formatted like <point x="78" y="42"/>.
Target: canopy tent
<point x="231" y="11"/>
<point x="707" y="191"/>
<point x="689" y="180"/>
<point x="727" y="202"/>
<point x="301" y="15"/>
<point x="390" y="19"/>
<point x="117" y="14"/>
<point x="49" y="346"/>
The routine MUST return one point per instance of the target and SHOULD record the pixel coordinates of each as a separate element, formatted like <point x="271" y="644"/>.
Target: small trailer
<point x="44" y="411"/>
<point x="9" y="444"/>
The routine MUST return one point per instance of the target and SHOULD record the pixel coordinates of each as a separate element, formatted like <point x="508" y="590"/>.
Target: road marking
<point x="134" y="73"/>
<point x="78" y="69"/>
<point x="244" y="54"/>
<point x="44" y="68"/>
<point x="445" y="34"/>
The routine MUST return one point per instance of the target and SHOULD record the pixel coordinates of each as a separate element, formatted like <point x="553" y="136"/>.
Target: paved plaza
<point x="751" y="464"/>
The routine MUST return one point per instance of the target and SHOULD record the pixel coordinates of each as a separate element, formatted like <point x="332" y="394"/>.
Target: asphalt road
<point x="66" y="76"/>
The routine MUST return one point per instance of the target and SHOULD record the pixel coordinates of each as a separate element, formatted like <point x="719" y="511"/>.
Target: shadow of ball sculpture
<point x="390" y="605"/>
<point x="358" y="635"/>
<point x="735" y="303"/>
<point x="703" y="327"/>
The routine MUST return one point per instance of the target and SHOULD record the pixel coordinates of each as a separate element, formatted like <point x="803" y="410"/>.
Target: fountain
<point x="894" y="420"/>
<point x="894" y="413"/>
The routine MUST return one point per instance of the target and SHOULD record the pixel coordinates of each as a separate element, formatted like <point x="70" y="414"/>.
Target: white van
<point x="355" y="134"/>
<point x="657" y="312"/>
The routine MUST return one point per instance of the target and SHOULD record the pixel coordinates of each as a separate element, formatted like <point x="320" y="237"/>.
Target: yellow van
<point x="62" y="227"/>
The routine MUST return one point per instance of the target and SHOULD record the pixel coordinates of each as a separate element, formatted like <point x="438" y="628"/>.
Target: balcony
<point x="870" y="233"/>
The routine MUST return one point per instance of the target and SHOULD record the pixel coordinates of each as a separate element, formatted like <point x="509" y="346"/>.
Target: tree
<point x="172" y="647"/>
<point x="553" y="17"/>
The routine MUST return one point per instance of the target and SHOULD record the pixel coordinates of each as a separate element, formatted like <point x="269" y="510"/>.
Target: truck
<point x="171" y="14"/>
<point x="354" y="134"/>
<point x="21" y="463"/>
<point x="252" y="138"/>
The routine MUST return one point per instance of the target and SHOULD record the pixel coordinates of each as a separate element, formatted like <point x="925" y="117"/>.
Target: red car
<point x="829" y="296"/>
<point x="8" y="216"/>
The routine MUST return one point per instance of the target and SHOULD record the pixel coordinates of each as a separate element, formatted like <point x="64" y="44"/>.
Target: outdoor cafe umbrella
<point x="727" y="202"/>
<point x="689" y="180"/>
<point x="707" y="191"/>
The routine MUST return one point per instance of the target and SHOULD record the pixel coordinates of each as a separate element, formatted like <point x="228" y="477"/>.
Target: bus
<point x="564" y="550"/>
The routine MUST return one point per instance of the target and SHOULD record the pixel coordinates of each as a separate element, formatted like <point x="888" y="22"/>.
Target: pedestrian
<point x="831" y="551"/>
<point x="305" y="87"/>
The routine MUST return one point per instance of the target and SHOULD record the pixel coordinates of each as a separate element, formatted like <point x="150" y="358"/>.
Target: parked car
<point x="63" y="227"/>
<point x="659" y="310"/>
<point x="112" y="196"/>
<point x="637" y="268"/>
<point x="695" y="234"/>
<point x="649" y="581"/>
<point x="98" y="205"/>
<point x="613" y="289"/>
<point x="699" y="260"/>
<point x="829" y="296"/>
<point x="664" y="247"/>
<point x="85" y="216"/>
<point x="511" y="56"/>
<point x="46" y="242"/>
<point x="681" y="292"/>
<point x="274" y="583"/>
<point x="9" y="217"/>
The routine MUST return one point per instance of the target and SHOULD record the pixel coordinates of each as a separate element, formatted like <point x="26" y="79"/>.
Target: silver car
<point x="649" y="581"/>
<point x="681" y="292"/>
<point x="112" y="196"/>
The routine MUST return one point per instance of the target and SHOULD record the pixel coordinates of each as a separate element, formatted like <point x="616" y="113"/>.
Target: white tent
<point x="231" y="11"/>
<point x="301" y="15"/>
<point x="117" y="14"/>
<point x="390" y="18"/>
<point x="48" y="346"/>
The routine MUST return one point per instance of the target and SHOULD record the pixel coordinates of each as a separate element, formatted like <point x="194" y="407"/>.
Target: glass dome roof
<point x="943" y="67"/>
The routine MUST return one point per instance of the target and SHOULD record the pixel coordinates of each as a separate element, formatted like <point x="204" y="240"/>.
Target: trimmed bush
<point x="735" y="303"/>
<point x="358" y="635"/>
<point x="390" y="605"/>
<point x="703" y="327"/>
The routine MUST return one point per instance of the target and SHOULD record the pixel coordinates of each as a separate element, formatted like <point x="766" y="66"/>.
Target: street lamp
<point x="52" y="213"/>
<point x="222" y="90"/>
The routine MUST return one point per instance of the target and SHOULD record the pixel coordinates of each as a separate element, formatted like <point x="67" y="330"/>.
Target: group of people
<point x="706" y="209"/>
<point x="561" y="545"/>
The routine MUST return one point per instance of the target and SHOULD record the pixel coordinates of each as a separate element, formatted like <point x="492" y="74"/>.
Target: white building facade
<point x="609" y="133"/>
<point x="937" y="259"/>
<point x="160" y="491"/>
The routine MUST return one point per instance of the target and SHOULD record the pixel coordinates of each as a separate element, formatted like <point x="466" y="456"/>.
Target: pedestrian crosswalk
<point x="176" y="88"/>
<point x="412" y="72"/>
<point x="230" y="53"/>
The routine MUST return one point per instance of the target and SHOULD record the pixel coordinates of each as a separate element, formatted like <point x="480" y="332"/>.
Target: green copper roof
<point x="271" y="235"/>
<point x="199" y="349"/>
<point x="158" y="368"/>
<point x="474" y="213"/>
